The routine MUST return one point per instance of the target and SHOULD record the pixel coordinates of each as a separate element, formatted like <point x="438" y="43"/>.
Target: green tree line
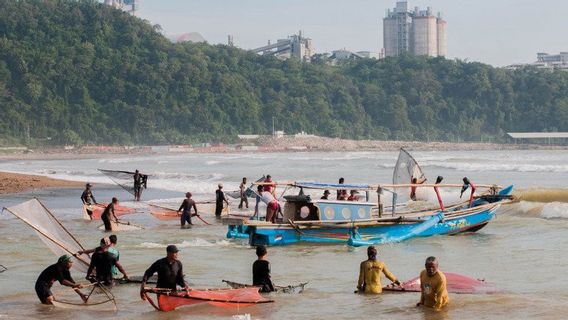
<point x="81" y="72"/>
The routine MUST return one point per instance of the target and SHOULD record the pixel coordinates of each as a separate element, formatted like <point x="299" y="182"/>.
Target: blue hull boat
<point x="357" y="223"/>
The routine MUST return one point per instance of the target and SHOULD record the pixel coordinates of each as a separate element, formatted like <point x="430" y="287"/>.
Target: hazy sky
<point x="498" y="32"/>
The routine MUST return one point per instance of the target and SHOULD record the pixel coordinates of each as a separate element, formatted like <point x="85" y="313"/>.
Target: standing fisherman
<point x="106" y="214"/>
<point x="219" y="199"/>
<point x="261" y="271"/>
<point x="243" y="190"/>
<point x="88" y="199"/>
<point x="433" y="286"/>
<point x="186" y="206"/>
<point x="137" y="185"/>
<point x="170" y="272"/>
<point x="370" y="273"/>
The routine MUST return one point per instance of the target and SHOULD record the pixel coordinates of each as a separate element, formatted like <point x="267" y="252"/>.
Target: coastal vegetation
<point x="79" y="72"/>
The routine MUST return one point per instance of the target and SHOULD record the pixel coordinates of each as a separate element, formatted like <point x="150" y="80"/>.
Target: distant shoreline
<point x="266" y="144"/>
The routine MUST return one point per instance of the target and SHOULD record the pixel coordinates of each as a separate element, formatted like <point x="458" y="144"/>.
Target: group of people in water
<point x="105" y="267"/>
<point x="105" y="264"/>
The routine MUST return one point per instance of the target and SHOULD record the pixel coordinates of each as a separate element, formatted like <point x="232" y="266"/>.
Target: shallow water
<point x="522" y="251"/>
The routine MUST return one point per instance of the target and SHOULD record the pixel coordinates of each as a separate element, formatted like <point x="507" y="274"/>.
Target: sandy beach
<point x="14" y="182"/>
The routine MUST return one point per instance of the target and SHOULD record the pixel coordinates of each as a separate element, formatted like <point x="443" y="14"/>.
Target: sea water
<point x="522" y="251"/>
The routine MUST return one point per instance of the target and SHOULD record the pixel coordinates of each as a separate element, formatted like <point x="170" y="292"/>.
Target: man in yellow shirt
<point x="433" y="286"/>
<point x="370" y="274"/>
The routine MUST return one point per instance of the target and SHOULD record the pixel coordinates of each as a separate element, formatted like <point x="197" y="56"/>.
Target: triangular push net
<point x="405" y="170"/>
<point x="57" y="238"/>
<point x="125" y="179"/>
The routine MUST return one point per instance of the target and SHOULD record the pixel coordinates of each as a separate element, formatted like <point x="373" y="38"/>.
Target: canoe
<point x="170" y="300"/>
<point x="98" y="209"/>
<point x="297" y="288"/>
<point x="455" y="283"/>
<point x="164" y="213"/>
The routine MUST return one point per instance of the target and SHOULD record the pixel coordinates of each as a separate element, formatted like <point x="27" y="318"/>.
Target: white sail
<point x="57" y="238"/>
<point x="405" y="170"/>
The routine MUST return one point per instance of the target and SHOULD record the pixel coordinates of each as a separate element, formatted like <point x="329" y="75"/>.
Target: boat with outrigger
<point x="369" y="222"/>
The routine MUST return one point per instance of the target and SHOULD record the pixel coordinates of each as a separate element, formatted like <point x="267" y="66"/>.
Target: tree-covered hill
<point x="82" y="72"/>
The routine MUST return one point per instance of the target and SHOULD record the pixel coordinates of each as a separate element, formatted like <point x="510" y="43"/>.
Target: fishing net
<point x="455" y="283"/>
<point x="125" y="179"/>
<point x="99" y="299"/>
<point x="405" y="170"/>
<point x="57" y="238"/>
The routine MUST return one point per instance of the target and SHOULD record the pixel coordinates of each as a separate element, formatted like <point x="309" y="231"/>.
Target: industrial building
<point x="126" y="5"/>
<point x="296" y="46"/>
<point x="545" y="61"/>
<point x="417" y="32"/>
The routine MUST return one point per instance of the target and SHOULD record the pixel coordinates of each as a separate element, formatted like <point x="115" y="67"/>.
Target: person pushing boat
<point x="433" y="286"/>
<point x="261" y="271"/>
<point x="185" y="209"/>
<point x="88" y="199"/>
<point x="107" y="212"/>
<point x="170" y="272"/>
<point x="56" y="272"/>
<point x="102" y="263"/>
<point x="370" y="273"/>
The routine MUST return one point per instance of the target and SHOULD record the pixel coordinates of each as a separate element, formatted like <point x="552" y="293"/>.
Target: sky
<point x="496" y="32"/>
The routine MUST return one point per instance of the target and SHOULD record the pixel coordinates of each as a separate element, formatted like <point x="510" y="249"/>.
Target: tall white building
<point x="417" y="32"/>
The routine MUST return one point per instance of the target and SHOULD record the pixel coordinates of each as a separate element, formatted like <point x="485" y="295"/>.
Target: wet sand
<point x="15" y="182"/>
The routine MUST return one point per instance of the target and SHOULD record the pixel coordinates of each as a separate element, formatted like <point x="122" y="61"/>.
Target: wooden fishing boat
<point x="99" y="208"/>
<point x="168" y="300"/>
<point x="366" y="223"/>
<point x="297" y="288"/>
<point x="455" y="283"/>
<point x="164" y="213"/>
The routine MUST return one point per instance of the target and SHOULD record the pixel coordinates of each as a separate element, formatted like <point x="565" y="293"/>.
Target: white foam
<point x="555" y="210"/>
<point x="197" y="242"/>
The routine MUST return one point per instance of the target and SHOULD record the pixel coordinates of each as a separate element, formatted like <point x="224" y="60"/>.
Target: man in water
<point x="370" y="273"/>
<point x="433" y="286"/>
<point x="112" y="249"/>
<point x="261" y="271"/>
<point x="170" y="272"/>
<point x="413" y="189"/>
<point x="219" y="199"/>
<point x="88" y="199"/>
<point x="186" y="206"/>
<point x="259" y="190"/>
<point x="56" y="272"/>
<point x="102" y="262"/>
<point x="243" y="189"/>
<point x="137" y="185"/>
<point x="108" y="211"/>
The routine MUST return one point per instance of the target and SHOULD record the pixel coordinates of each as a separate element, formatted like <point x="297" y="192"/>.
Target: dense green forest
<point x="80" y="72"/>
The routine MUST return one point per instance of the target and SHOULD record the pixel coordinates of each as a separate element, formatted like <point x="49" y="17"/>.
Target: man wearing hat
<point x="370" y="273"/>
<point x="56" y="272"/>
<point x="219" y="199"/>
<point x="353" y="196"/>
<point x="88" y="199"/>
<point x="326" y="194"/>
<point x="186" y="206"/>
<point x="170" y="272"/>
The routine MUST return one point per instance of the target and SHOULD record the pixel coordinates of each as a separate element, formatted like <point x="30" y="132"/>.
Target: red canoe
<point x="456" y="283"/>
<point x="98" y="209"/>
<point x="168" y="301"/>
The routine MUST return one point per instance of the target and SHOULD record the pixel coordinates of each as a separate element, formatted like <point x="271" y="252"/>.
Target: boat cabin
<point x="303" y="208"/>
